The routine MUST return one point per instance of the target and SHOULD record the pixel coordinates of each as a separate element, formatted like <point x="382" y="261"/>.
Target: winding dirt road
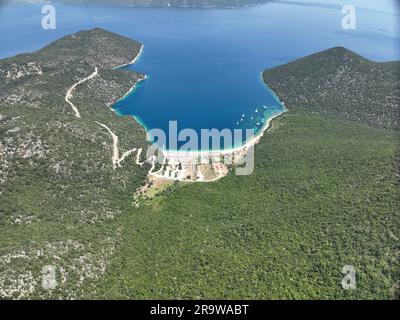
<point x="68" y="96"/>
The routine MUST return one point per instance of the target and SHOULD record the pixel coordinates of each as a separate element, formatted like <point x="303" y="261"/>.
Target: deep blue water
<point x="204" y="65"/>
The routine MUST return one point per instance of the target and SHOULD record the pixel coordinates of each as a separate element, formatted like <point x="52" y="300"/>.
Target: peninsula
<point x="324" y="192"/>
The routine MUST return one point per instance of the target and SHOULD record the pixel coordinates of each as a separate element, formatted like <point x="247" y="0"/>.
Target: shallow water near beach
<point x="204" y="66"/>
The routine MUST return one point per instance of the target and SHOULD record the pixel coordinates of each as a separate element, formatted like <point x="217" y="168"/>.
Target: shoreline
<point x="247" y="145"/>
<point x="195" y="166"/>
<point x="134" y="59"/>
<point x="191" y="170"/>
<point x="244" y="147"/>
<point x="177" y="153"/>
<point x="131" y="89"/>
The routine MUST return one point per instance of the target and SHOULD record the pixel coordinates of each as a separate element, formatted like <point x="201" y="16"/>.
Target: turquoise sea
<point x="204" y="65"/>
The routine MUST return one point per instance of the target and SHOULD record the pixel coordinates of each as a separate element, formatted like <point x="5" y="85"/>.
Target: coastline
<point x="244" y="147"/>
<point x="247" y="145"/>
<point x="185" y="165"/>
<point x="176" y="153"/>
<point x="131" y="89"/>
<point x="205" y="166"/>
<point x="134" y="59"/>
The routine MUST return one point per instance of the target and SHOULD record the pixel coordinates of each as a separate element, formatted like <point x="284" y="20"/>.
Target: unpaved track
<point x="116" y="160"/>
<point x="68" y="96"/>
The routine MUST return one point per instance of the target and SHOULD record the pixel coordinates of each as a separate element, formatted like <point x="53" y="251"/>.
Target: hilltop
<point x="340" y="81"/>
<point x="59" y="192"/>
<point x="324" y="193"/>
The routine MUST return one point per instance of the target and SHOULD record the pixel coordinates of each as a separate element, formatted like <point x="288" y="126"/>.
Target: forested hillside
<point x="341" y="82"/>
<point x="324" y="194"/>
<point x="60" y="197"/>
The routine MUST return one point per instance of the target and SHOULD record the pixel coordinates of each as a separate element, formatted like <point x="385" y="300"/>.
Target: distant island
<point x="158" y="3"/>
<point x="324" y="192"/>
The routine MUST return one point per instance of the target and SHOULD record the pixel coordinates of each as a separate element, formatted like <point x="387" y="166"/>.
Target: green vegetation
<point x="338" y="81"/>
<point x="323" y="195"/>
<point x="324" y="192"/>
<point x="59" y="195"/>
